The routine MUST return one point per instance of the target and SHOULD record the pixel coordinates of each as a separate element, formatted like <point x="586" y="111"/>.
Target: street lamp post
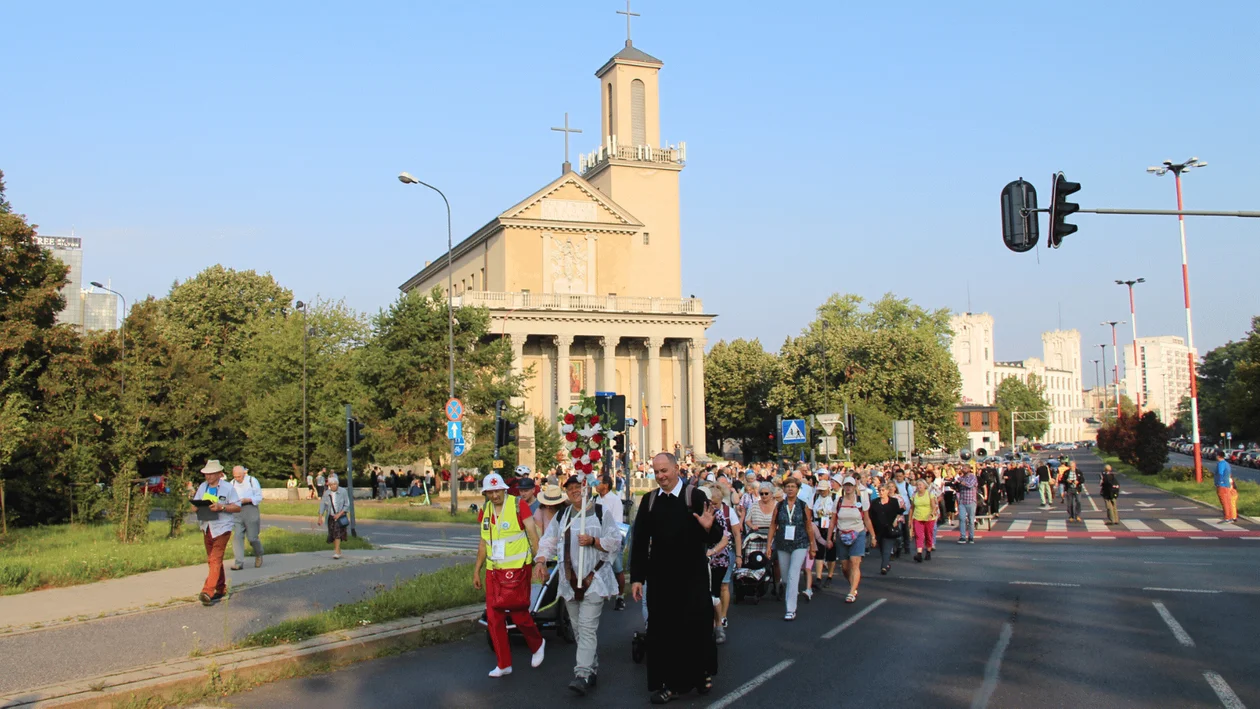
<point x="1139" y="386"/>
<point x="1104" y="373"/>
<point x="306" y="429"/>
<point x="1176" y="169"/>
<point x="1115" y="350"/>
<point x="407" y="179"/>
<point x="122" y="339"/>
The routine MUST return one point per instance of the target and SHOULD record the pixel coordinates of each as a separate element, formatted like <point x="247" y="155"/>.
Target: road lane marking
<point x="1178" y="632"/>
<point x="993" y="668"/>
<point x="1056" y="525"/>
<point x="845" y="625"/>
<point x="1223" y="692"/>
<point x="1224" y="527"/>
<point x="1135" y="525"/>
<point x="1093" y="505"/>
<point x="1095" y="525"/>
<point x="1194" y="537"/>
<point x="1100" y="537"/>
<point x="1180" y="590"/>
<point x="1150" y="537"/>
<point x="1044" y="583"/>
<point x="1054" y="537"/>
<point x="923" y="578"/>
<point x="1179" y="525"/>
<point x="1179" y="563"/>
<point x="1019" y="525"/>
<point x="746" y="688"/>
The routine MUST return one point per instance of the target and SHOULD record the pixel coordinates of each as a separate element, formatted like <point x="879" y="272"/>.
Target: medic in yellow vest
<point x="509" y="539"/>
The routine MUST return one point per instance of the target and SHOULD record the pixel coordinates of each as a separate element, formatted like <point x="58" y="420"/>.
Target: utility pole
<point x="351" y="429"/>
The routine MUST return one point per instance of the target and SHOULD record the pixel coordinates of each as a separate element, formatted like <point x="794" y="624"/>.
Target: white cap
<point x="848" y="481"/>
<point x="493" y="481"/>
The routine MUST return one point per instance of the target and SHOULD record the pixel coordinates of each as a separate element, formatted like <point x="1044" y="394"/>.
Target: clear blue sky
<point x="833" y="147"/>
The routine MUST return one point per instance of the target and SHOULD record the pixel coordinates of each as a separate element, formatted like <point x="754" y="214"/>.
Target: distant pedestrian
<point x="509" y="539"/>
<point x="792" y="535"/>
<point x="886" y="519"/>
<point x="1110" y="491"/>
<point x="1226" y="488"/>
<point x="334" y="508"/>
<point x="853" y="528"/>
<point x="1072" y="484"/>
<point x="248" y="521"/>
<point x="292" y="485"/>
<point x="966" y="485"/>
<point x="217" y="530"/>
<point x="924" y="509"/>
<point x="382" y="489"/>
<point x="321" y="482"/>
<point x="1045" y="487"/>
<point x="310" y="487"/>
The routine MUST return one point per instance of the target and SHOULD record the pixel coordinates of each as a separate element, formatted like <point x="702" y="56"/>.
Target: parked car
<point x="154" y="485"/>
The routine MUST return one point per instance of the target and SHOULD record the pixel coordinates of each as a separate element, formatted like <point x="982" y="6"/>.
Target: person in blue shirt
<point x="1225" y="489"/>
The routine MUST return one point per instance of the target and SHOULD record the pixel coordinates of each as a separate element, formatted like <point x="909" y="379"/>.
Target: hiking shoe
<point x="809" y="594"/>
<point x="719" y="635"/>
<point x="962" y="541"/>
<point x="918" y="557"/>
<point x="927" y="555"/>
<point x="205" y="598"/>
<point x="578" y="686"/>
<point x="725" y="622"/>
<point x="971" y="540"/>
<point x="258" y="562"/>
<point x="619" y="604"/>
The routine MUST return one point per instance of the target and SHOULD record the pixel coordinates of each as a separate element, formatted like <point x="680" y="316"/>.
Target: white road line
<point x="1178" y="525"/>
<point x="1093" y="505"/>
<point x="1202" y="538"/>
<point x="1019" y="525"/>
<point x="1055" y="537"/>
<point x="993" y="668"/>
<point x="1178" y="563"/>
<point x="1223" y="692"/>
<point x="1252" y="537"/>
<point x="1011" y="536"/>
<point x="1135" y="525"/>
<point x="1180" y="590"/>
<point x="1185" y="508"/>
<point x="1044" y="583"/>
<point x="1056" y="525"/>
<point x="1101" y="537"/>
<point x="1150" y="537"/>
<point x="845" y="625"/>
<point x="1095" y="525"/>
<point x="922" y="578"/>
<point x="1178" y="632"/>
<point x="750" y="685"/>
<point x="1219" y="525"/>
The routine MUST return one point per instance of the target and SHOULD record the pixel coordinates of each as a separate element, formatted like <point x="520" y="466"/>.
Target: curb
<point x="224" y="670"/>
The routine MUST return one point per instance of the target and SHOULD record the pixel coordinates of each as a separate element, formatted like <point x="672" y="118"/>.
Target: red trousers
<point x="216" y="580"/>
<point x="496" y="621"/>
<point x="925" y="533"/>
<point x="1229" y="501"/>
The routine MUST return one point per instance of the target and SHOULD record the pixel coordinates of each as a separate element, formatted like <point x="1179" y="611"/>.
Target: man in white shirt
<point x="612" y="505"/>
<point x="586" y="576"/>
<point x="216" y="524"/>
<point x="248" y="522"/>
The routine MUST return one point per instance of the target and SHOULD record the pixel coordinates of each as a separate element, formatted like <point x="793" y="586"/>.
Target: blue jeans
<point x="886" y="547"/>
<point x="967" y="521"/>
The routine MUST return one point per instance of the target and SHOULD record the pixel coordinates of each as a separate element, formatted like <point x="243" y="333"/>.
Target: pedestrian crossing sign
<point x="793" y="431"/>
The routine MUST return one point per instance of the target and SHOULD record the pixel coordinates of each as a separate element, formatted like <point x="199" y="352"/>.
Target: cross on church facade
<point x="567" y="130"/>
<point x="628" y="15"/>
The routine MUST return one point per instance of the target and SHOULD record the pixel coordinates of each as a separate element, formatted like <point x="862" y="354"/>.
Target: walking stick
<point x="582" y="531"/>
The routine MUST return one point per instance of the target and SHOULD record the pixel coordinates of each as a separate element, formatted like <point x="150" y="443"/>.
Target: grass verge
<point x="68" y="555"/>
<point x="396" y="509"/>
<point x="450" y="587"/>
<point x="1248" y="492"/>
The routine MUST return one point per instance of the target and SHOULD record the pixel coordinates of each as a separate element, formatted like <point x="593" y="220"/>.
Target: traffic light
<point x="354" y="431"/>
<point x="1020" y="228"/>
<point x="850" y="431"/>
<point x="1060" y="208"/>
<point x="504" y="430"/>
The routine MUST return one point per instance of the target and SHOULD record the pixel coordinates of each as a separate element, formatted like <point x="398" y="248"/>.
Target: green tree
<point x="891" y="355"/>
<point x="215" y="311"/>
<point x="5" y="207"/>
<point x="1243" y="400"/>
<point x="1015" y="395"/>
<point x="738" y="377"/>
<point x="547" y="443"/>
<point x="1150" y="444"/>
<point x="404" y="369"/>
<point x="1216" y="384"/>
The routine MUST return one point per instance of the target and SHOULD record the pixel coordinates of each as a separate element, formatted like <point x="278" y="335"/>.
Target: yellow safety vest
<point x="517" y="551"/>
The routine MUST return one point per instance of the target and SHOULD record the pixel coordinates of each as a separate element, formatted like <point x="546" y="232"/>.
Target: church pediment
<point x="571" y="199"/>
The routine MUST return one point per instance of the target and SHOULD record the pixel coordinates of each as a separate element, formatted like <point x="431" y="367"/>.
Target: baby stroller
<point x="754" y="579"/>
<point x="547" y="610"/>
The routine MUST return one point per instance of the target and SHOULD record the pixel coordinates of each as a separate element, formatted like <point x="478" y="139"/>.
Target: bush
<point x="1150" y="446"/>
<point x="1177" y="473"/>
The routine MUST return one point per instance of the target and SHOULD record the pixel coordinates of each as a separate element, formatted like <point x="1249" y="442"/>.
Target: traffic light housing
<point x="850" y="431"/>
<point x="504" y="430"/>
<point x="354" y="431"/>
<point x="1020" y="227"/>
<point x="1060" y="208"/>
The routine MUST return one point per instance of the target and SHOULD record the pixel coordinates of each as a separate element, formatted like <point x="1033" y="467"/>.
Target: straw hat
<point x="551" y="495"/>
<point x="212" y="466"/>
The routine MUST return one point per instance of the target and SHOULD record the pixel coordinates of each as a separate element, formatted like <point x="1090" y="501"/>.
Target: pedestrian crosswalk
<point x="450" y="545"/>
<point x="1163" y="525"/>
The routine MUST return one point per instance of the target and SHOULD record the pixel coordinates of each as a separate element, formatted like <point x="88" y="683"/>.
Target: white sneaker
<point x="501" y="671"/>
<point x="537" y="658"/>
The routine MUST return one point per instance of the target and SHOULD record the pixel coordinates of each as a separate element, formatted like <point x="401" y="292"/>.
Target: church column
<point x="654" y="345"/>
<point x="608" y="377"/>
<point x="696" y="381"/>
<point x="526" y="447"/>
<point x="563" y="396"/>
<point x="676" y="433"/>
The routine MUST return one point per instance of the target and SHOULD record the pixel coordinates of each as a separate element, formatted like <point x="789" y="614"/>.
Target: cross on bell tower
<point x="568" y="167"/>
<point x="628" y="15"/>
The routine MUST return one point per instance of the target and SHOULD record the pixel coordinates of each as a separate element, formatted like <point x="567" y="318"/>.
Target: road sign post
<point x="454" y="430"/>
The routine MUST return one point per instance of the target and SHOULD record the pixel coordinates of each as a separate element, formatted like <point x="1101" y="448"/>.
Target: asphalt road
<point x="1033" y="622"/>
<point x="412" y="536"/>
<point x="1240" y="472"/>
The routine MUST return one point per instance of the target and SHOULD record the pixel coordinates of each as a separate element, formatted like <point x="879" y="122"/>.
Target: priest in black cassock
<point x="669" y="554"/>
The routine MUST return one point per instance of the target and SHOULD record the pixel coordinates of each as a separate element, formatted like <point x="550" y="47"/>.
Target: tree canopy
<point x="1015" y="395"/>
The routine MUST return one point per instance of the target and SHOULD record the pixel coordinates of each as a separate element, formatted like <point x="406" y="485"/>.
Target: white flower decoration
<point x="586" y="458"/>
<point x="567" y="428"/>
<point x="589" y="431"/>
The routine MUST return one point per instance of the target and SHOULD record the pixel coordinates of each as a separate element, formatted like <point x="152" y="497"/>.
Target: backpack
<point x="599" y="512"/>
<point x="686" y="494"/>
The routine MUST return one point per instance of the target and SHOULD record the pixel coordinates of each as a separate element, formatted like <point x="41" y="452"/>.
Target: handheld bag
<point x="510" y="590"/>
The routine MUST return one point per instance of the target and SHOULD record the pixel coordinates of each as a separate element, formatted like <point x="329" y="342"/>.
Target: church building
<point x="584" y="277"/>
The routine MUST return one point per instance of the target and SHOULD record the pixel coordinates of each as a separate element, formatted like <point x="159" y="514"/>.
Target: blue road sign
<point x="460" y="446"/>
<point x="454" y="410"/>
<point x="792" y="431"/>
<point x="454" y="430"/>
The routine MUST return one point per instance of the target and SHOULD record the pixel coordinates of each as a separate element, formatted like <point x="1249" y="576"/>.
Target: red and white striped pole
<point x="1137" y="388"/>
<point x="1176" y="169"/>
<point x="1115" y="373"/>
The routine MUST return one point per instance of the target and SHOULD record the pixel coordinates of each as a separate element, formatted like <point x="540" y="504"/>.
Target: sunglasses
<point x="764" y="494"/>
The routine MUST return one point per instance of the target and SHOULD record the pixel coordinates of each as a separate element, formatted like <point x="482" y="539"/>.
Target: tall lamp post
<point x="407" y="179"/>
<point x="1115" y="351"/>
<point x="1104" y="373"/>
<point x="1176" y="169"/>
<point x="306" y="429"/>
<point x="122" y="339"/>
<point x="1140" y="385"/>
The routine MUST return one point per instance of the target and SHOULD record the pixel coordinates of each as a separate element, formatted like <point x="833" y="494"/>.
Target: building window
<point x="986" y="354"/>
<point x="984" y="419"/>
<point x="986" y="378"/>
<point x="610" y="109"/>
<point x="646" y="238"/>
<point x="638" y="111"/>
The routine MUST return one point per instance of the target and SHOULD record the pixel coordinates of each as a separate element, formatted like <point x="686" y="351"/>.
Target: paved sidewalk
<point x="288" y="586"/>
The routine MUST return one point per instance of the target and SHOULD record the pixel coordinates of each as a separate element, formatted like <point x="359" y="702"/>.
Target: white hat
<point x="212" y="466"/>
<point x="849" y="481"/>
<point x="493" y="481"/>
<point x="522" y="470"/>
